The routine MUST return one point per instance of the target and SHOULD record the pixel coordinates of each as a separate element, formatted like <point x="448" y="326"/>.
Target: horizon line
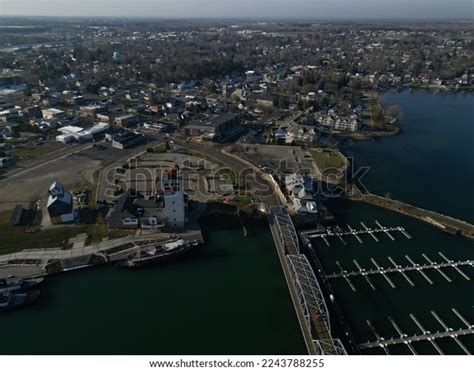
<point x="241" y="18"/>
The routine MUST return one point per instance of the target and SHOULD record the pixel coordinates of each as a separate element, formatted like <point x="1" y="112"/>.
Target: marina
<point x="429" y="336"/>
<point x="337" y="231"/>
<point x="397" y="268"/>
<point x="390" y="276"/>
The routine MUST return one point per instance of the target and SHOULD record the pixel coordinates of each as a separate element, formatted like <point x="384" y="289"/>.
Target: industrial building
<point x="78" y="134"/>
<point x="218" y="129"/>
<point x="126" y="139"/>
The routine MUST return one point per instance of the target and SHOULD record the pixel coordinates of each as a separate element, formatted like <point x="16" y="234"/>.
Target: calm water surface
<point x="231" y="298"/>
<point x="431" y="165"/>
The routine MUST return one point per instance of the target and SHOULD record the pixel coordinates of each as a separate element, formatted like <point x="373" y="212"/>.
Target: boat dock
<point x="42" y="262"/>
<point x="429" y="336"/>
<point x="385" y="230"/>
<point x="443" y="222"/>
<point x="336" y="231"/>
<point x="397" y="268"/>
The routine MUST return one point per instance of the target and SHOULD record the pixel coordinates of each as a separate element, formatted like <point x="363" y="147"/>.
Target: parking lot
<point x="285" y="159"/>
<point x="75" y="166"/>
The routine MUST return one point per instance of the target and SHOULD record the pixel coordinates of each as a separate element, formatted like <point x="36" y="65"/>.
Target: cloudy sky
<point x="243" y="8"/>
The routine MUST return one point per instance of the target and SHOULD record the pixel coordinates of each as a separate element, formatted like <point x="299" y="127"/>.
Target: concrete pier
<point x="445" y="223"/>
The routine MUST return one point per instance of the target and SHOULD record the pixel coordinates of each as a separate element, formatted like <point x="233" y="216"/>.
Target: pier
<point x="42" y="262"/>
<point x="385" y="230"/>
<point x="336" y="231"/>
<point x="354" y="233"/>
<point x="429" y="336"/>
<point x="369" y="231"/>
<point x="397" y="268"/>
<point x="443" y="222"/>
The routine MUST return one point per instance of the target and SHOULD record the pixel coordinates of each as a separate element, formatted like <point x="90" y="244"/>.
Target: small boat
<point x="162" y="253"/>
<point x="14" y="300"/>
<point x="14" y="284"/>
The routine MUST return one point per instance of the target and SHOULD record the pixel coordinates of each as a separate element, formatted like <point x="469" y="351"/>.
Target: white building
<point x="175" y="207"/>
<point x="60" y="204"/>
<point x="53" y="113"/>
<point x="300" y="192"/>
<point x="349" y="125"/>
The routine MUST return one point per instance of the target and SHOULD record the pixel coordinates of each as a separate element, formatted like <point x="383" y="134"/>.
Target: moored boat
<point x="14" y="300"/>
<point x="14" y="284"/>
<point x="160" y="254"/>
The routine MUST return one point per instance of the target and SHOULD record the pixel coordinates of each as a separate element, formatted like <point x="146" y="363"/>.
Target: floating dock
<point x="336" y="231"/>
<point x="429" y="336"/>
<point x="397" y="268"/>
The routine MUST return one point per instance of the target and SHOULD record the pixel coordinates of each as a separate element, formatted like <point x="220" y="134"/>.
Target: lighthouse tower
<point x="174" y="199"/>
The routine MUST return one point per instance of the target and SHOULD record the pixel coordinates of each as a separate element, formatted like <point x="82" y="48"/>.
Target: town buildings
<point x="164" y="209"/>
<point x="218" y="129"/>
<point x="301" y="193"/>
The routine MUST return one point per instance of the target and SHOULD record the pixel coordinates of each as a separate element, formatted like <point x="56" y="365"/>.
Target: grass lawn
<point x="35" y="151"/>
<point x="327" y="160"/>
<point x="160" y="148"/>
<point x="99" y="231"/>
<point x="243" y="201"/>
<point x="13" y="239"/>
<point x="227" y="174"/>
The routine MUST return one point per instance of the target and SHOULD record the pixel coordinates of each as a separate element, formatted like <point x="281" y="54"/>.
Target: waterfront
<point x="229" y="298"/>
<point x="376" y="306"/>
<point x="429" y="165"/>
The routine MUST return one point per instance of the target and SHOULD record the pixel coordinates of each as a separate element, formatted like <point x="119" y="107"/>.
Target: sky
<point x="307" y="9"/>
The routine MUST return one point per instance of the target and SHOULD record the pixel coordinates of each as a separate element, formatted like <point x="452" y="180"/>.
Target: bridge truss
<point x="286" y="230"/>
<point x="313" y="304"/>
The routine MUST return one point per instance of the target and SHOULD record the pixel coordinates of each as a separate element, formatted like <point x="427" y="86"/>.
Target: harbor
<point x="432" y="272"/>
<point x="425" y="335"/>
<point x="128" y="311"/>
<point x="337" y="231"/>
<point x="397" y="278"/>
<point x="43" y="262"/>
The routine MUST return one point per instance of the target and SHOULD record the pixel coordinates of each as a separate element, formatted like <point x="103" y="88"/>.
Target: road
<point x="30" y="165"/>
<point x="263" y="188"/>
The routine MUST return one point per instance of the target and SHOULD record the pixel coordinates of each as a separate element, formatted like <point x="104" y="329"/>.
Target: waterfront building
<point x="135" y="210"/>
<point x="166" y="208"/>
<point x="174" y="200"/>
<point x="300" y="191"/>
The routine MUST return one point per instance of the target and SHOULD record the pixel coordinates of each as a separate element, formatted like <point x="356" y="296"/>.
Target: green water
<point x="431" y="164"/>
<point x="230" y="298"/>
